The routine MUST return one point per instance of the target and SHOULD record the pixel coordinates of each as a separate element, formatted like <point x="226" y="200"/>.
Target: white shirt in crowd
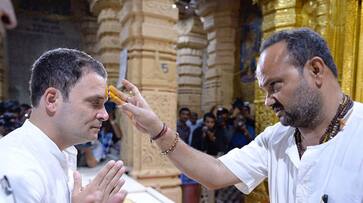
<point x="36" y="168"/>
<point x="192" y="128"/>
<point x="334" y="168"/>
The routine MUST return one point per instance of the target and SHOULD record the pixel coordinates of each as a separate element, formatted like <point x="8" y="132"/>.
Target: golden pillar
<point x="108" y="47"/>
<point x="359" y="57"/>
<point x="191" y="43"/>
<point x="277" y="15"/>
<point x="340" y="23"/>
<point x="345" y="38"/>
<point x="148" y="35"/>
<point x="220" y="20"/>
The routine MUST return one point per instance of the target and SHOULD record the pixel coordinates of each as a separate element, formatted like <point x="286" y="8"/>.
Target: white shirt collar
<point x="44" y="141"/>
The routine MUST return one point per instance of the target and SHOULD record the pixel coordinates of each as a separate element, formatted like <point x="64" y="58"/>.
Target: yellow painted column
<point x="277" y="15"/>
<point x="148" y="34"/>
<point x="340" y="23"/>
<point x="191" y="43"/>
<point x="108" y="44"/>
<point x="348" y="52"/>
<point x="359" y="75"/>
<point x="220" y="20"/>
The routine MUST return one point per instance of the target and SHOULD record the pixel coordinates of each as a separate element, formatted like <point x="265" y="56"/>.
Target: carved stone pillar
<point x="148" y="35"/>
<point x="108" y="33"/>
<point x="89" y="29"/>
<point x="220" y="20"/>
<point x="191" y="42"/>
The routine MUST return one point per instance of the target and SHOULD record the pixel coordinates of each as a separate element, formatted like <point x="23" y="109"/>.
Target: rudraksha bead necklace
<point x="334" y="127"/>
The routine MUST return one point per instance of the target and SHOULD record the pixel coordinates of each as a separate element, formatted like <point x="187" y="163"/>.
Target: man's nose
<point x="269" y="101"/>
<point x="103" y="115"/>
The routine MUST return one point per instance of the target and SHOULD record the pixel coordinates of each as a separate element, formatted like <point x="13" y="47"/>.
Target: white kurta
<point x="37" y="170"/>
<point x="334" y="168"/>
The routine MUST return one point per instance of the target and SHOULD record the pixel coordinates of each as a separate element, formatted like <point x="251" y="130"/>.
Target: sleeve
<point x="27" y="187"/>
<point x="250" y="163"/>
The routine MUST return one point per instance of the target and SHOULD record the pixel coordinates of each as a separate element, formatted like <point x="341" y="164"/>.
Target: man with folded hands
<point x="38" y="159"/>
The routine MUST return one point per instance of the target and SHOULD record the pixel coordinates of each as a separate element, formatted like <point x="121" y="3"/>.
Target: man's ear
<point x="316" y="69"/>
<point x="51" y="99"/>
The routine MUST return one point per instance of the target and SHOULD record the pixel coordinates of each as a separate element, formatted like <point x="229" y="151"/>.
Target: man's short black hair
<point x="208" y="115"/>
<point x="221" y="111"/>
<point x="184" y="109"/>
<point x="61" y="68"/>
<point x="302" y="45"/>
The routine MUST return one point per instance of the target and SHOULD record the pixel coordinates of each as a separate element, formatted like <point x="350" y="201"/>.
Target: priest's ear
<point x="317" y="69"/>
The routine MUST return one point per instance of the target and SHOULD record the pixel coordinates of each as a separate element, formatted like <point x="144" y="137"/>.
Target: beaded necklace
<point x="334" y="127"/>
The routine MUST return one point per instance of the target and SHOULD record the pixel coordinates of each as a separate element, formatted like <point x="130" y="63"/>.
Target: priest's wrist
<point x="155" y="128"/>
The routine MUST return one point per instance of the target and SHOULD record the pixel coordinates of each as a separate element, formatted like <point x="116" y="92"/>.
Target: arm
<point x="195" y="164"/>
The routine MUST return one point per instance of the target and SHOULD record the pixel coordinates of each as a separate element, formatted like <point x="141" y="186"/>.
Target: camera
<point x="205" y="129"/>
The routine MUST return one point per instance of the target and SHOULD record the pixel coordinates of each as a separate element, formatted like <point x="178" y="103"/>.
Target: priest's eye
<point x="276" y="86"/>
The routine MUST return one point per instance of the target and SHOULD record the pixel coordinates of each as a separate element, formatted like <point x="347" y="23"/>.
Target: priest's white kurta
<point x="334" y="168"/>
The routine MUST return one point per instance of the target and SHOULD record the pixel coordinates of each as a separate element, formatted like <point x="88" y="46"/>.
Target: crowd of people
<point x="313" y="154"/>
<point x="217" y="132"/>
<point x="12" y="115"/>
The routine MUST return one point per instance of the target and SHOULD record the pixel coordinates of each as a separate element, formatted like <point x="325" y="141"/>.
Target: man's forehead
<point x="271" y="61"/>
<point x="91" y="84"/>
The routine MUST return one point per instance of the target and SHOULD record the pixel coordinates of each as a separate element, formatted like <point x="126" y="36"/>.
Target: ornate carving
<point x="147" y="33"/>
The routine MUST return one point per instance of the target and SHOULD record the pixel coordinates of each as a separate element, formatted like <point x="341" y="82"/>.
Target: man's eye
<point x="97" y="104"/>
<point x="276" y="86"/>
